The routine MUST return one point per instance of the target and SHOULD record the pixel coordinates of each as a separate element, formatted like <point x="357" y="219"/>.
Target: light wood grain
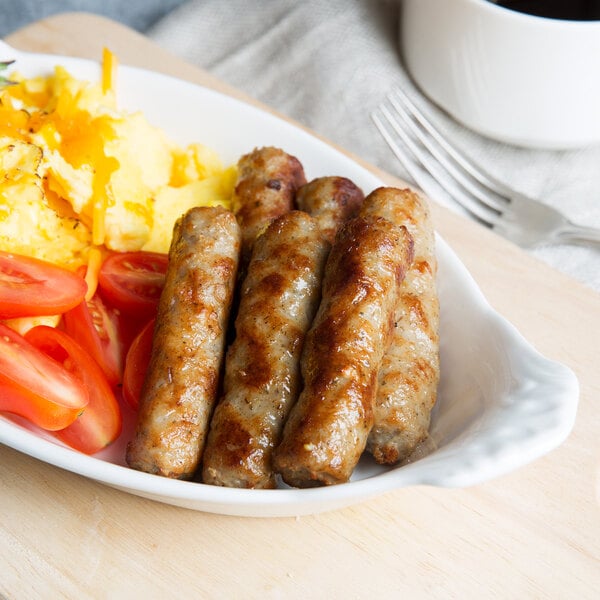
<point x="531" y="534"/>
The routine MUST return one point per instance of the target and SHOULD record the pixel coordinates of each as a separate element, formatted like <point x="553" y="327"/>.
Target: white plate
<point x="501" y="404"/>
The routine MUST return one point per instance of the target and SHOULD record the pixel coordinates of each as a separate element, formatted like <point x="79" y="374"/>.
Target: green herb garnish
<point x="3" y="66"/>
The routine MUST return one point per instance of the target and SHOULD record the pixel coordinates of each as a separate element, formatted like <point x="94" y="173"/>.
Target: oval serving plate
<point x="501" y="404"/>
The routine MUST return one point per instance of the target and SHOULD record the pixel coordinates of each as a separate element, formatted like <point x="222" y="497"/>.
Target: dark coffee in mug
<point x="570" y="10"/>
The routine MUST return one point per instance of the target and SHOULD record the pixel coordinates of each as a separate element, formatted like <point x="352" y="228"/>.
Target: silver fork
<point x="431" y="159"/>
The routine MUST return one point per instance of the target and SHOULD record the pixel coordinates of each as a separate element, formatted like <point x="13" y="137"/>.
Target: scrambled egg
<point x="76" y="172"/>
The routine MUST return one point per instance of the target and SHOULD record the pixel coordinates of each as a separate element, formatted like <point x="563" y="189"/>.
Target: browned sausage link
<point x="332" y="201"/>
<point x="181" y="385"/>
<point x="266" y="187"/>
<point x="410" y="369"/>
<point x="279" y="299"/>
<point x="327" y="429"/>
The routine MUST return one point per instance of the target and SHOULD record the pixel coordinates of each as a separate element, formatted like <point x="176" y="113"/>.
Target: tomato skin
<point x="136" y="365"/>
<point x="37" y="387"/>
<point x="101" y="421"/>
<point x="133" y="281"/>
<point x="30" y="287"/>
<point x="96" y="328"/>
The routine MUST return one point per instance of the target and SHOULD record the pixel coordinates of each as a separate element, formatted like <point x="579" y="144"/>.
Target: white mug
<point x="522" y="79"/>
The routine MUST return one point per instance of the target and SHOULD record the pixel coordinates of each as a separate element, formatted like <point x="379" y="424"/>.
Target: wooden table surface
<point x="534" y="533"/>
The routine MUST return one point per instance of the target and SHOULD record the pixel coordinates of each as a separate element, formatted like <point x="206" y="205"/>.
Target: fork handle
<point x="578" y="234"/>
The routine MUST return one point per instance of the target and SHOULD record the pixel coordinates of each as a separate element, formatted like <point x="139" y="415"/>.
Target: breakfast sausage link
<point x="327" y="429"/>
<point x="332" y="201"/>
<point x="410" y="369"/>
<point x="266" y="188"/>
<point x="181" y="384"/>
<point x="279" y="298"/>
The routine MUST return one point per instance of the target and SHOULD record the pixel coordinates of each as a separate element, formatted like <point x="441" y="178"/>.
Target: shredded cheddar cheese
<point x="109" y="70"/>
<point x="92" y="271"/>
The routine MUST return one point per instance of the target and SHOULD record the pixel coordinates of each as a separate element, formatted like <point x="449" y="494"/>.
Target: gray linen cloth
<point x="327" y="64"/>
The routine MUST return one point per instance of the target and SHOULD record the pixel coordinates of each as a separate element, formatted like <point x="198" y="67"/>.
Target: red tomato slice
<point x="101" y="421"/>
<point x="133" y="281"/>
<point x="35" y="386"/>
<point x="96" y="328"/>
<point x="30" y="287"/>
<point x="136" y="365"/>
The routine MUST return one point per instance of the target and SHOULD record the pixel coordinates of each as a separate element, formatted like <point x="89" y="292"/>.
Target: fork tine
<point x="410" y="166"/>
<point x="488" y="196"/>
<point x="475" y="171"/>
<point x="476" y="209"/>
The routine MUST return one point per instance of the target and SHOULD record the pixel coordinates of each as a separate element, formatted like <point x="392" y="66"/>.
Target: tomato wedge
<point x="37" y="387"/>
<point x="101" y="421"/>
<point x="30" y="287"/>
<point x="136" y="365"/>
<point x="133" y="281"/>
<point x="96" y="328"/>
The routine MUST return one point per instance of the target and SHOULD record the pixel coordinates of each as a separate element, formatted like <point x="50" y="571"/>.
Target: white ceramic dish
<point x="517" y="78"/>
<point x="501" y="404"/>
